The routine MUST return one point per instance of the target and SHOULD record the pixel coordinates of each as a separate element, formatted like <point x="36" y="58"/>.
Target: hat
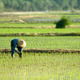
<point x="21" y="43"/>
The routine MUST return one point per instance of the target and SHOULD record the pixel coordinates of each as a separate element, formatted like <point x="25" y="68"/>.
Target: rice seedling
<point x="40" y="66"/>
<point x="50" y="42"/>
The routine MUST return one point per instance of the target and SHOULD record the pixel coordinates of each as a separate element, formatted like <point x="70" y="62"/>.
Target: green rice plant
<point x="40" y="66"/>
<point x="39" y="30"/>
<point x="50" y="42"/>
<point x="25" y="24"/>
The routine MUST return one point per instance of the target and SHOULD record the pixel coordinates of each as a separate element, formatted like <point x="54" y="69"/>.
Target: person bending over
<point x="19" y="44"/>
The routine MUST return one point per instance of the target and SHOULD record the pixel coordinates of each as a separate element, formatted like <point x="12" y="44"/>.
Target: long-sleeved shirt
<point x="14" y="45"/>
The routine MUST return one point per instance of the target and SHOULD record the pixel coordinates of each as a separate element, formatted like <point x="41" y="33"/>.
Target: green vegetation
<point x="36" y="5"/>
<point x="40" y="30"/>
<point x="24" y="18"/>
<point x="11" y="24"/>
<point x="34" y="25"/>
<point x="63" y="22"/>
<point x="40" y="66"/>
<point x="75" y="24"/>
<point x="26" y="25"/>
<point x="50" y="42"/>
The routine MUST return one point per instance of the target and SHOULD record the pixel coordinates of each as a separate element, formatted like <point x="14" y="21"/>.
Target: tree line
<point x="39" y="5"/>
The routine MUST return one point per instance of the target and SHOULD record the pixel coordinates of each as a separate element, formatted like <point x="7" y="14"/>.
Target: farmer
<point x="19" y="44"/>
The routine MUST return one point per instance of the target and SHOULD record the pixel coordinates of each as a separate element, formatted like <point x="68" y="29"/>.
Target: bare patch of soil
<point x="43" y="51"/>
<point x="41" y="34"/>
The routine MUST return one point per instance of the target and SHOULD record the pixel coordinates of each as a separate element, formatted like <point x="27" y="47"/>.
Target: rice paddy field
<point x="22" y="25"/>
<point x="32" y="25"/>
<point x="50" y="42"/>
<point x="24" y="30"/>
<point x="39" y="66"/>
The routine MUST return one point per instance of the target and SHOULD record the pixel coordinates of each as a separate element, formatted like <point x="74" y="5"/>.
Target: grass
<point x="31" y="24"/>
<point x="50" y="15"/>
<point x="72" y="16"/>
<point x="38" y="30"/>
<point x="40" y="67"/>
<point x="75" y="24"/>
<point x="25" y="24"/>
<point x="57" y="42"/>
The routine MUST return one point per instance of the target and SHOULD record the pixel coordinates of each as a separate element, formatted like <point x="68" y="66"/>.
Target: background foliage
<point x="63" y="22"/>
<point x="38" y="5"/>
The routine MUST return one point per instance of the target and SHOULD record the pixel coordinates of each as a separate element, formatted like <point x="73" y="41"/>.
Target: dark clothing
<point x="14" y="45"/>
